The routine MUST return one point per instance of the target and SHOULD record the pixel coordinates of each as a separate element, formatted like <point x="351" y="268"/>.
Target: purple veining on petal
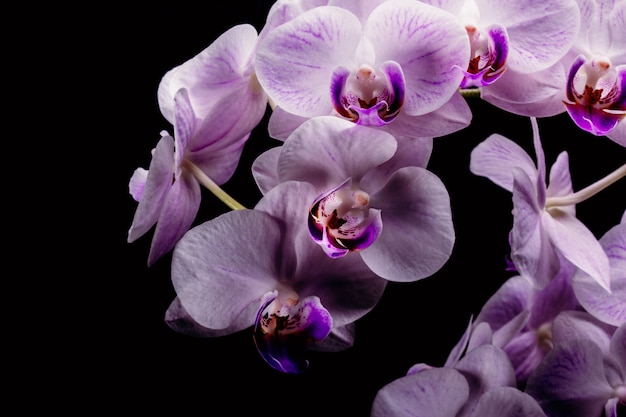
<point x="286" y="326"/>
<point x="593" y="109"/>
<point x="488" y="57"/>
<point x="367" y="96"/>
<point x="341" y="221"/>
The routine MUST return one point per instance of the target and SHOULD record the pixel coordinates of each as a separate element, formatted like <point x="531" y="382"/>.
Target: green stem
<point x="213" y="187"/>
<point x="589" y="191"/>
<point x="470" y="92"/>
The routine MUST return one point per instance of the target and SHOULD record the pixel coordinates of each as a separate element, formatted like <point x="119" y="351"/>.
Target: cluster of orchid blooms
<point x="359" y="91"/>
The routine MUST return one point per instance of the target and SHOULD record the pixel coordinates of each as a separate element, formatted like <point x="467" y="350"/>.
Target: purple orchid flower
<point x="259" y="268"/>
<point x="169" y="191"/>
<point x="608" y="307"/>
<point x="207" y="142"/>
<point x="398" y="220"/>
<point x="529" y="343"/>
<point x="544" y="222"/>
<point x="481" y="383"/>
<point x="390" y="64"/>
<point x="596" y="81"/>
<point x="584" y="375"/>
<point x="520" y="38"/>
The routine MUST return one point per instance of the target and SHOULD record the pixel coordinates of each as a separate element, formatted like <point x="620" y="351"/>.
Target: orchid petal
<point x="541" y="163"/>
<point x="452" y="116"/>
<point x="502" y="336"/>
<point x="176" y="217"/>
<point x="560" y="183"/>
<point x="494" y="157"/>
<point x="538" y="94"/>
<point x="608" y="307"/>
<point x="282" y="123"/>
<point x="179" y="320"/>
<point x="157" y="185"/>
<point x="137" y="183"/>
<point x="265" y="169"/>
<point x="220" y="161"/>
<point x="339" y="339"/>
<point x="556" y="297"/>
<point x="326" y="150"/>
<point x="578" y="245"/>
<point x="618" y="134"/>
<point x="294" y="62"/>
<point x="428" y="43"/>
<point x="572" y="325"/>
<point x="507" y="402"/>
<point x="508" y="301"/>
<point x="570" y="381"/>
<point x="531" y="250"/>
<point x="184" y="125"/>
<point x="209" y="75"/>
<point x="618" y="346"/>
<point x="218" y="290"/>
<point x="526" y="351"/>
<point x="481" y="335"/>
<point x="411" y="152"/>
<point x="285" y="10"/>
<point x="438" y="391"/>
<point x="459" y="349"/>
<point x="359" y="8"/>
<point x="486" y="367"/>
<point x="420" y="238"/>
<point x="540" y="33"/>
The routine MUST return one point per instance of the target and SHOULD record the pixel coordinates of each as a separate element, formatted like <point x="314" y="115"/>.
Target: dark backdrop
<point x="125" y="356"/>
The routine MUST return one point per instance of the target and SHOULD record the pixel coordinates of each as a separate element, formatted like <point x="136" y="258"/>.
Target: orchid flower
<point x="259" y="269"/>
<point x="397" y="220"/>
<point x="544" y="222"/>
<point x="596" y="82"/>
<point x="391" y="65"/>
<point x="207" y="142"/>
<point x="479" y="384"/>
<point x="521" y="37"/>
<point x="583" y="376"/>
<point x="169" y="191"/>
<point x="608" y="307"/>
<point x="529" y="343"/>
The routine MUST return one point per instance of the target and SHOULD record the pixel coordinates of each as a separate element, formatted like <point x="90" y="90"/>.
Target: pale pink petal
<point x="428" y="43"/>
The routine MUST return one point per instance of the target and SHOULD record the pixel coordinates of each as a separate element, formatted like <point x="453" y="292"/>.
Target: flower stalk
<point x="587" y="192"/>
<point x="213" y="187"/>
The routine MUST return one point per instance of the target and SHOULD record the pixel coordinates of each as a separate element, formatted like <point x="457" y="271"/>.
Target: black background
<point x="110" y="347"/>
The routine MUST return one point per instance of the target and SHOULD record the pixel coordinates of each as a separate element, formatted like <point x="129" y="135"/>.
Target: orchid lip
<point x="368" y="96"/>
<point x="286" y="326"/>
<point x="601" y="104"/>
<point x="488" y="62"/>
<point x="341" y="221"/>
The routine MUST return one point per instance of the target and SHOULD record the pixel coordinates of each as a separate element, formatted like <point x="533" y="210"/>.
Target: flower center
<point x="368" y="96"/>
<point x="544" y="337"/>
<point x="596" y="94"/>
<point x="489" y="51"/>
<point x="285" y="327"/>
<point x="341" y="220"/>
